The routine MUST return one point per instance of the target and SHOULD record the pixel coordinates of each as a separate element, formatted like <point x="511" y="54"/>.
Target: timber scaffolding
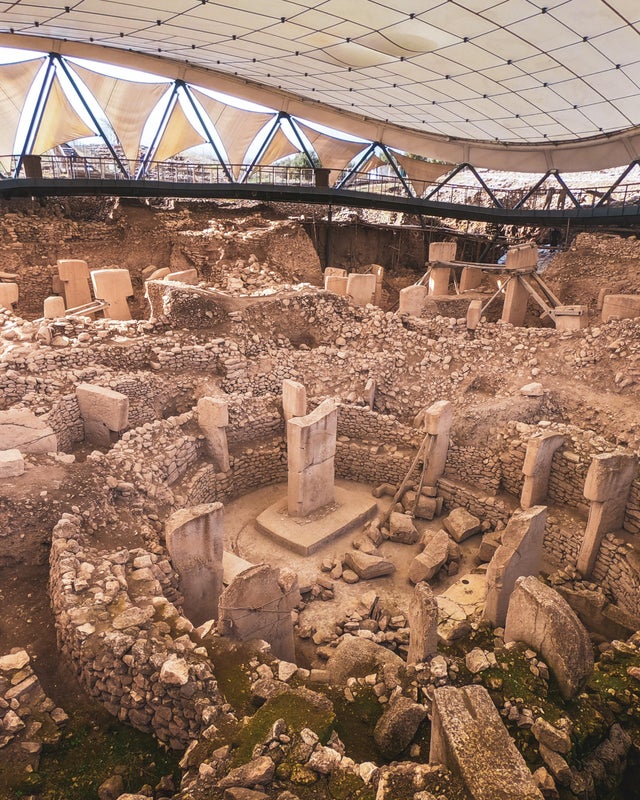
<point x="530" y="281"/>
<point x="517" y="282"/>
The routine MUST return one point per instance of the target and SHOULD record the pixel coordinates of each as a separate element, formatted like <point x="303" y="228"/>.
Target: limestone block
<point x="22" y="430"/>
<point x="426" y="564"/>
<point x="103" y="405"/>
<point x="113" y="286"/>
<point x="607" y="486"/>
<point x="439" y="280"/>
<point x="368" y="566"/>
<point x="423" y="624"/>
<point x="470" y="279"/>
<point x="474" y="314"/>
<point x="337" y="272"/>
<point x="336" y="284"/>
<point x="610" y="475"/>
<point x="369" y="394"/>
<point x="438" y="419"/>
<point x="469" y="737"/>
<point x="515" y="302"/>
<point x="53" y="307"/>
<point x="412" y="300"/>
<point x="74" y="274"/>
<point x="491" y="541"/>
<point x="427" y="507"/>
<point x="460" y="524"/>
<point x="189" y="276"/>
<point x="522" y="256"/>
<point x="361" y="288"/>
<point x="620" y="306"/>
<point x="311" y="446"/>
<point x="453" y="622"/>
<point x="353" y="655"/>
<point x="398" y="725"/>
<point x="159" y="274"/>
<point x="11" y="463"/>
<point x="402" y="529"/>
<point x="537" y="467"/>
<point x="378" y="271"/>
<point x="541" y="618"/>
<point x="294" y="399"/>
<point x="257" y="605"/>
<point x="195" y="541"/>
<point x="571" y="318"/>
<point x="8" y="294"/>
<point x="520" y="554"/>
<point x="534" y="389"/>
<point x="213" y="418"/>
<point x="442" y="251"/>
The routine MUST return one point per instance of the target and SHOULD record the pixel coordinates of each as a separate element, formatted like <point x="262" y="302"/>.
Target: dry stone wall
<point x="130" y="646"/>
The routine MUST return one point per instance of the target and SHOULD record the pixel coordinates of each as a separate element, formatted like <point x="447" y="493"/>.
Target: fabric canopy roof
<point x="178" y="135"/>
<point x="508" y="85"/>
<point x="333" y="153"/>
<point x="236" y="127"/>
<point x="127" y="105"/>
<point x="279" y="147"/>
<point x="421" y="173"/>
<point x="60" y="122"/>
<point x="15" y="82"/>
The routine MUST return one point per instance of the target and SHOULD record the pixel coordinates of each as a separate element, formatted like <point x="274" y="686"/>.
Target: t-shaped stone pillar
<point x="113" y="286"/>
<point x="74" y="275"/>
<point x="537" y="468"/>
<point x="213" y="418"/>
<point x="311" y="447"/>
<point x="361" y="288"/>
<point x="294" y="399"/>
<point x="423" y="623"/>
<point x="53" y="307"/>
<point x="437" y="421"/>
<point x="412" y="300"/>
<point x="195" y="541"/>
<point x="104" y="412"/>
<point x="8" y="294"/>
<point x="607" y="488"/>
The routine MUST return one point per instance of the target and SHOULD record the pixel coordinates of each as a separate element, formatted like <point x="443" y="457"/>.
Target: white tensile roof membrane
<point x="512" y="84"/>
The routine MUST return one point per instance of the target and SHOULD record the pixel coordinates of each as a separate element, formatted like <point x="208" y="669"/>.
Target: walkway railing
<point x="559" y="200"/>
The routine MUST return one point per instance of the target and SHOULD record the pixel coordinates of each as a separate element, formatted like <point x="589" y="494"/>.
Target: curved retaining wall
<point x="130" y="647"/>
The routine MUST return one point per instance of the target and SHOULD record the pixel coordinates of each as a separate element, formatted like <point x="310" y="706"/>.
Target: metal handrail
<point x="103" y="167"/>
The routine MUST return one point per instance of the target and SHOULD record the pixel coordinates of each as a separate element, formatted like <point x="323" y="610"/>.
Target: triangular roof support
<point x="59" y="60"/>
<point x="263" y="147"/>
<point x="350" y="173"/>
<point x="185" y="88"/>
<point x="148" y="156"/>
<point x="303" y="147"/>
<point x="607" y="195"/>
<point x="38" y="111"/>
<point x="396" y="169"/>
<point x="476" y="175"/>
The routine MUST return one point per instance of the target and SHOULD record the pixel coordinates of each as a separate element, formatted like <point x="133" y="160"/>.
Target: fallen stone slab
<point x="356" y="657"/>
<point x="11" y="463"/>
<point x="426" y="564"/>
<point x="367" y="566"/>
<point x="22" y="430"/>
<point x="398" y="725"/>
<point x="427" y="508"/>
<point x="402" y="529"/>
<point x="541" y="618"/>
<point x="460" y="524"/>
<point x="257" y="772"/>
<point x="453" y="622"/>
<point x="469" y="737"/>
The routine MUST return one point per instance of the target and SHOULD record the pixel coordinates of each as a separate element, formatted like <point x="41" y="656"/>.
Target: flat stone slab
<point x="11" y="463"/>
<point x="305" y="535"/>
<point x="233" y="565"/>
